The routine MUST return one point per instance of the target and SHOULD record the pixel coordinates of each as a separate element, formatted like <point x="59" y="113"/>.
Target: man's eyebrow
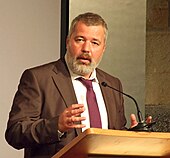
<point x="97" y="40"/>
<point x="79" y="36"/>
<point x="93" y="39"/>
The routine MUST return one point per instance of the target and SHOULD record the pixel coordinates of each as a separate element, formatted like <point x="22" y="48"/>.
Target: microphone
<point x="142" y="125"/>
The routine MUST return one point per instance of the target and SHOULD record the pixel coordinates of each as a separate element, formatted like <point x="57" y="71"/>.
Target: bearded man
<point x="51" y="106"/>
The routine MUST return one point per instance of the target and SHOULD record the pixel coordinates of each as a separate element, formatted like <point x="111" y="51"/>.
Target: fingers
<point x="133" y="120"/>
<point x="73" y="122"/>
<point x="149" y="119"/>
<point x="71" y="118"/>
<point x="75" y="110"/>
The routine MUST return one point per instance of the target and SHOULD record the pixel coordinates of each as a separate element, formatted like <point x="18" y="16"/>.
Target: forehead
<point x="83" y="29"/>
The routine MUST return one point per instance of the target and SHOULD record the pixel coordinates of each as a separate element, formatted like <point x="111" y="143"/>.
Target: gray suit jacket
<point x="43" y="93"/>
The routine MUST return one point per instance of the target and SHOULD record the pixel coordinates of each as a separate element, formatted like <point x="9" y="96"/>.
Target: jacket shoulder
<point x="106" y="75"/>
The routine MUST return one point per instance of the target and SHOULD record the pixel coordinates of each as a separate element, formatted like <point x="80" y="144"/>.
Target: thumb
<point x="133" y="120"/>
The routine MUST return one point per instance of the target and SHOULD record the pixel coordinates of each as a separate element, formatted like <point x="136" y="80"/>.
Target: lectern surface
<point x="96" y="142"/>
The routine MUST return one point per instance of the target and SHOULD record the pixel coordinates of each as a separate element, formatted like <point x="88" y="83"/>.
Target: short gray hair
<point x="89" y="19"/>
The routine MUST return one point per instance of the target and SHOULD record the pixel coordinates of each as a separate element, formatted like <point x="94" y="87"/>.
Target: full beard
<point x="80" y="68"/>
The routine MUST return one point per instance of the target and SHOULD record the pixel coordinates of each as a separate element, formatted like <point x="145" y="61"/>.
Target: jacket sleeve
<point x="25" y="126"/>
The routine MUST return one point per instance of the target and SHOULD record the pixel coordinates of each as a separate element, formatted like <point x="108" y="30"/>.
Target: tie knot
<point x="86" y="83"/>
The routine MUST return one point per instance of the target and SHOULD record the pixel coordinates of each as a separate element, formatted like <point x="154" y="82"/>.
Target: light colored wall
<point x="125" y="53"/>
<point x="29" y="36"/>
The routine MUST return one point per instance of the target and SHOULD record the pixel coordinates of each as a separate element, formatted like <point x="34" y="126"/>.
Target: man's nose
<point x="86" y="47"/>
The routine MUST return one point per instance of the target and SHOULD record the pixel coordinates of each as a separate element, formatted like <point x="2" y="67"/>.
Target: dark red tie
<point x="94" y="114"/>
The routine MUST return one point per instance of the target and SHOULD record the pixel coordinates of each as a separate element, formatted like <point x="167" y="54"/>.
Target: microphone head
<point x="104" y="84"/>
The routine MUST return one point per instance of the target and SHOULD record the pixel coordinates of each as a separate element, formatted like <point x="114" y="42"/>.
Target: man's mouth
<point x="85" y="59"/>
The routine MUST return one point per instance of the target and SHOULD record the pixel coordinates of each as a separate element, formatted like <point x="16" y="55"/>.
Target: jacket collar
<point x="64" y="84"/>
<point x="108" y="99"/>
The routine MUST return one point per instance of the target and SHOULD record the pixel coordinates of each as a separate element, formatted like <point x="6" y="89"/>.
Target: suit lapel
<point x="109" y="100"/>
<point x="64" y="84"/>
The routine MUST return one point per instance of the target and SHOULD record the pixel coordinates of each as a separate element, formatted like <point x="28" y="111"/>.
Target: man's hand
<point x="70" y="118"/>
<point x="134" y="121"/>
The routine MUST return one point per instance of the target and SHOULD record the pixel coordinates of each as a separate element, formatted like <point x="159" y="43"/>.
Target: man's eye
<point x="95" y="43"/>
<point x="79" y="40"/>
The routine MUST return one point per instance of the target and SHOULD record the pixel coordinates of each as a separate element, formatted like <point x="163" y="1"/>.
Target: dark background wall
<point x="158" y="63"/>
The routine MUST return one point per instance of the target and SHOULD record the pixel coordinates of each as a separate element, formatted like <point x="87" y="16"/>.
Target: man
<point x="50" y="106"/>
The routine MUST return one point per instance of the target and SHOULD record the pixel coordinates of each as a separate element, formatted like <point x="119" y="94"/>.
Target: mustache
<point x="85" y="56"/>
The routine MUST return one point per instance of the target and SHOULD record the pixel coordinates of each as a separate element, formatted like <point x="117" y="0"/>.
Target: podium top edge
<point x="124" y="133"/>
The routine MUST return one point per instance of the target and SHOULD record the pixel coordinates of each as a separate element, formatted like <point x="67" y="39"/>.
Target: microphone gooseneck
<point x="142" y="125"/>
<point x="139" y="114"/>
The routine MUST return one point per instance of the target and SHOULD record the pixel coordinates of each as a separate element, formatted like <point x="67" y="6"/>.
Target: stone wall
<point x="158" y="63"/>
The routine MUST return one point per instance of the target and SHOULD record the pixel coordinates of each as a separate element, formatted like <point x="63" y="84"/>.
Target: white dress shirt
<point x="80" y="91"/>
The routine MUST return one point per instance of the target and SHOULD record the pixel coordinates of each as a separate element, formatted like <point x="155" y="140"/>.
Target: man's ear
<point x="67" y="41"/>
<point x="104" y="48"/>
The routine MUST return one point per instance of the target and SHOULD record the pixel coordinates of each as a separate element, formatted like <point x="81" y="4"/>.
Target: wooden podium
<point x="114" y="143"/>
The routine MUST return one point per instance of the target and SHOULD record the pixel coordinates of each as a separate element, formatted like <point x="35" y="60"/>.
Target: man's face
<point x="85" y="48"/>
